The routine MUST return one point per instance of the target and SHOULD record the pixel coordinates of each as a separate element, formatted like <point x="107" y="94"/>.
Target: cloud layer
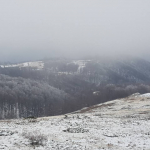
<point x="35" y="29"/>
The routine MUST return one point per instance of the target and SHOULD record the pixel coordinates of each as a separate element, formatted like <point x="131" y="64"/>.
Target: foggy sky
<point x="33" y="29"/>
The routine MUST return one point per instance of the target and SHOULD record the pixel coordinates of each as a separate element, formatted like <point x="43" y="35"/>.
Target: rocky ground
<point x="120" y="124"/>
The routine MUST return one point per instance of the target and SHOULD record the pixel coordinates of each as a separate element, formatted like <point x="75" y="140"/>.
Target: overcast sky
<point x="33" y="29"/>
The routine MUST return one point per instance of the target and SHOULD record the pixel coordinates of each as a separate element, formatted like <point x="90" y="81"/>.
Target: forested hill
<point x="21" y="97"/>
<point x="104" y="70"/>
<point x="58" y="86"/>
<point x="94" y="70"/>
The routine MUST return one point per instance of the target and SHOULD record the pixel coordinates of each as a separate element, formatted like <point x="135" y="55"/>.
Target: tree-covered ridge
<point x="21" y="97"/>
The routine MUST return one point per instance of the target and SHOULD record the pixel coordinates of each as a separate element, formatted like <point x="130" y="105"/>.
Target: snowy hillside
<point x="36" y="64"/>
<point x="121" y="124"/>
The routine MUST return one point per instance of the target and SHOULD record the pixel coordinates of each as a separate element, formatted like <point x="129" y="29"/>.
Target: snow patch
<point x="37" y="64"/>
<point x="145" y="95"/>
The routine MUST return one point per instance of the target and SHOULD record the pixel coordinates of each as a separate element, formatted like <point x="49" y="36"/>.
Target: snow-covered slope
<point x="121" y="124"/>
<point x="145" y="95"/>
<point x="34" y="64"/>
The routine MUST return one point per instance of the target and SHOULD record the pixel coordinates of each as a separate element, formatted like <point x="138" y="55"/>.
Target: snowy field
<point x="121" y="124"/>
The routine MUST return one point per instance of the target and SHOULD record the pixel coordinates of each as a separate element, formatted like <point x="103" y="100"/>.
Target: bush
<point x="35" y="138"/>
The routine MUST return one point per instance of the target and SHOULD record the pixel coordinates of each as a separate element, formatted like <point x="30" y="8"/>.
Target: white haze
<point x="32" y="29"/>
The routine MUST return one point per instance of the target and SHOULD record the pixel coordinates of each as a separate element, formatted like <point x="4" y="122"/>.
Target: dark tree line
<point x="21" y="97"/>
<point x="111" y="91"/>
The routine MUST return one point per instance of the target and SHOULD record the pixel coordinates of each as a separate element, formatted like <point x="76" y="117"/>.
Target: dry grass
<point x="89" y="109"/>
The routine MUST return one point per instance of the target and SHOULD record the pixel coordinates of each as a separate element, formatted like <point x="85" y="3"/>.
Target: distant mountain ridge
<point x="100" y="71"/>
<point x="95" y="70"/>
